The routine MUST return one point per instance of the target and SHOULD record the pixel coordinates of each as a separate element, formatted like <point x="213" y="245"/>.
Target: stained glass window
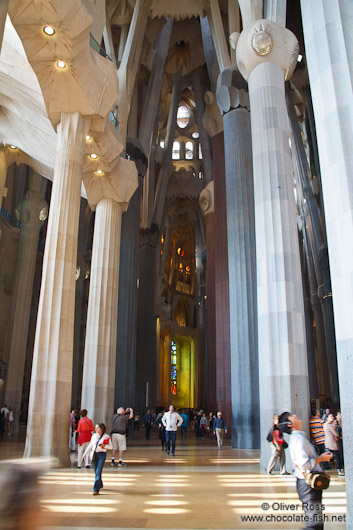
<point x="173" y="369"/>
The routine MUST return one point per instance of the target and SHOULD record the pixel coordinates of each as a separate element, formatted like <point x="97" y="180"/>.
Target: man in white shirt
<point x="304" y="459"/>
<point x="171" y="421"/>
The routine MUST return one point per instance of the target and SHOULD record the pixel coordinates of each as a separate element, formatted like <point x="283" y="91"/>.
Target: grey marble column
<point x="233" y="102"/>
<point x="50" y="394"/>
<point x="329" y="58"/>
<point x="32" y="211"/>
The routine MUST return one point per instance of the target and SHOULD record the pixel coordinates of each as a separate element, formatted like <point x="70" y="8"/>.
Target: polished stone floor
<point x="199" y="488"/>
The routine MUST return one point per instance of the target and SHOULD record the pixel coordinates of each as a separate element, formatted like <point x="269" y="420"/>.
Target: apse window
<point x="173" y="371"/>
<point x="189" y="151"/>
<point x="200" y="152"/>
<point x="176" y="151"/>
<point x="183" y="116"/>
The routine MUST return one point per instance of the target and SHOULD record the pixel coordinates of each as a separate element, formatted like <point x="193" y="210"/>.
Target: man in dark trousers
<point x="147" y="423"/>
<point x="305" y="459"/>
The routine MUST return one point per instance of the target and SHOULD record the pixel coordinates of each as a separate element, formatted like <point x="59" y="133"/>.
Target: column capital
<point x="32" y="210"/>
<point x="212" y="119"/>
<point x="265" y="41"/>
<point x="231" y="90"/>
<point x="206" y="199"/>
<point x="118" y="184"/>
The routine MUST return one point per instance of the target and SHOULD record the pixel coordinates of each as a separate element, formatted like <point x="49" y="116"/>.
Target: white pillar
<point x="100" y="348"/>
<point x="50" y="394"/>
<point x="31" y="215"/>
<point x="284" y="385"/>
<point x="329" y="58"/>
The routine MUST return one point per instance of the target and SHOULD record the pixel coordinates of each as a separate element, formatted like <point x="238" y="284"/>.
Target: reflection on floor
<point x="199" y="488"/>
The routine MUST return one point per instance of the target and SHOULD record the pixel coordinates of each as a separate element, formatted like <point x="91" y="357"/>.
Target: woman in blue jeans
<point x="97" y="448"/>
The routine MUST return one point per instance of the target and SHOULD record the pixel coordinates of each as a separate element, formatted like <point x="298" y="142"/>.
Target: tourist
<point x="184" y="425"/>
<point x="147" y="424"/>
<point x="137" y="421"/>
<point x="171" y="421"/>
<point x="161" y="429"/>
<point x="304" y="459"/>
<point x="204" y="425"/>
<point x="84" y="429"/>
<point x="120" y="422"/>
<point x="4" y="413"/>
<point x="219" y="429"/>
<point x="97" y="450"/>
<point x="278" y="445"/>
<point x="331" y="442"/>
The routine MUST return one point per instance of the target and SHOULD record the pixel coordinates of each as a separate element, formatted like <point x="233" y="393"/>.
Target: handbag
<point x="317" y="480"/>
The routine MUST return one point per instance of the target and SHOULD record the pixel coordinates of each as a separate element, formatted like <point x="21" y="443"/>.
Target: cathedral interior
<point x="176" y="212"/>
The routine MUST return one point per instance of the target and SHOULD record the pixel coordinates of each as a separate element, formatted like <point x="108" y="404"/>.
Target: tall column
<point x="213" y="124"/>
<point x="32" y="211"/>
<point x="328" y="37"/>
<point x="100" y="346"/>
<point x="233" y="102"/>
<point x="266" y="55"/>
<point x="206" y="200"/>
<point x="50" y="394"/>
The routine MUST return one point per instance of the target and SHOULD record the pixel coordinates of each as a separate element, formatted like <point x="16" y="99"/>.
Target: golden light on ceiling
<point x="94" y="156"/>
<point x="61" y="65"/>
<point x="12" y="147"/>
<point x="49" y="30"/>
<point x="100" y="172"/>
<point x="88" y="138"/>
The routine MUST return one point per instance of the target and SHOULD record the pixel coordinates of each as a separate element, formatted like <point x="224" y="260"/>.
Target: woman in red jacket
<point x="84" y="429"/>
<point x="275" y="436"/>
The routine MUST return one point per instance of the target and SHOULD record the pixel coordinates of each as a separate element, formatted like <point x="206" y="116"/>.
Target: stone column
<point x="100" y="346"/>
<point x="32" y="211"/>
<point x="50" y="394"/>
<point x="328" y="42"/>
<point x="128" y="289"/>
<point x="266" y="55"/>
<point x="206" y="200"/>
<point x="109" y="195"/>
<point x="233" y="102"/>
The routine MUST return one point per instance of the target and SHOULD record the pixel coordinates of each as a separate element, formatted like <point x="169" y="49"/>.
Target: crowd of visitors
<point x="326" y="436"/>
<point x="92" y="442"/>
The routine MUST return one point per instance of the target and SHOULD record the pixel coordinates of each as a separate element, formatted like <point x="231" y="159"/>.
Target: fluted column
<point x="50" y="394"/>
<point x="328" y="41"/>
<point x="100" y="346"/>
<point x="266" y="54"/>
<point x="32" y="211"/>
<point x="233" y="102"/>
<point x="206" y="200"/>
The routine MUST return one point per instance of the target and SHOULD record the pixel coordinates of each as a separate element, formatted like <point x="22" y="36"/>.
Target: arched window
<point x="189" y="151"/>
<point x="176" y="151"/>
<point x="200" y="152"/>
<point x="183" y="116"/>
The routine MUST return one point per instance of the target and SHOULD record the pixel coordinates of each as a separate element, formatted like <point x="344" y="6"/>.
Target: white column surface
<point x="100" y="347"/>
<point x="50" y="393"/>
<point x="329" y="58"/>
<point x="281" y="326"/>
